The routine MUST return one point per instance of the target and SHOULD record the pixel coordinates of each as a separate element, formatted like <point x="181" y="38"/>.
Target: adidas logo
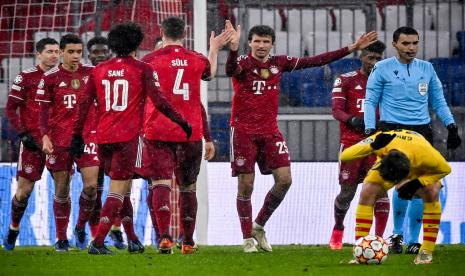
<point x="104" y="220"/>
<point x="164" y="208"/>
<point x="62" y="84"/>
<point x="358" y="87"/>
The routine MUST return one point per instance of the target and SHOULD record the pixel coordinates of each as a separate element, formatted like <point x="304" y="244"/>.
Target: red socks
<point x="244" y="210"/>
<point x="126" y="215"/>
<point x="110" y="211"/>
<point x="17" y="211"/>
<point x="161" y="207"/>
<point x="271" y="203"/>
<point x="61" y="210"/>
<point x="188" y="203"/>
<point x="86" y="207"/>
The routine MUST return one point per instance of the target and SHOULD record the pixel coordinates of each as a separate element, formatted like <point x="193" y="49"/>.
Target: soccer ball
<point x="370" y="250"/>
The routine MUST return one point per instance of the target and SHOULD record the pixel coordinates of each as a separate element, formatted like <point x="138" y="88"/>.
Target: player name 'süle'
<point x="116" y="73"/>
<point x="178" y="62"/>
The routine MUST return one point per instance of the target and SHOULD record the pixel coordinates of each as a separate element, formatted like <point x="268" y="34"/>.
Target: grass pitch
<point x="224" y="260"/>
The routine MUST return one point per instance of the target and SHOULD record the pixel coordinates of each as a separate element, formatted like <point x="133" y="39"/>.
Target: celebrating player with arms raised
<point x="255" y="136"/>
<point x="120" y="86"/>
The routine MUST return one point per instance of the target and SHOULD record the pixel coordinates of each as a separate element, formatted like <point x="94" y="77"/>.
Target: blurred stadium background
<point x="302" y="28"/>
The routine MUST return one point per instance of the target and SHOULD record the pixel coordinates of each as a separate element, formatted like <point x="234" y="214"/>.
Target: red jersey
<point x="22" y="95"/>
<point x="257" y="86"/>
<point x="348" y="100"/>
<point x="120" y="86"/>
<point x="181" y="72"/>
<point x="61" y="91"/>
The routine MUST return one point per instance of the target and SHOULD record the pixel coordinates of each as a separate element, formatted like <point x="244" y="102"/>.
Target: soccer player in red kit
<point x="120" y="86"/>
<point x="31" y="158"/>
<point x="348" y="96"/>
<point x="255" y="136"/>
<point x="59" y="93"/>
<point x="166" y="150"/>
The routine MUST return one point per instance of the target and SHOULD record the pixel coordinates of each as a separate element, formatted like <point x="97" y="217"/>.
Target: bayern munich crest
<point x="345" y="174"/>
<point x="274" y="69"/>
<point x="18" y="79"/>
<point x="52" y="159"/>
<point x="28" y="168"/>
<point x="240" y="161"/>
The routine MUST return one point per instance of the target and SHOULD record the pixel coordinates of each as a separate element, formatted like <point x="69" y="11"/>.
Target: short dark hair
<point x="125" y="38"/>
<point x="262" y="30"/>
<point x="394" y="167"/>
<point x="69" y="39"/>
<point x="96" y="40"/>
<point x="40" y="45"/>
<point x="404" y="30"/>
<point x="377" y="47"/>
<point x="173" y="27"/>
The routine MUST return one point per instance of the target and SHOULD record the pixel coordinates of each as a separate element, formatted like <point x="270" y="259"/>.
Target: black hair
<point x="40" y="45"/>
<point x="377" y="47"/>
<point x="173" y="27"/>
<point x="125" y="38"/>
<point x="394" y="167"/>
<point x="96" y="40"/>
<point x="69" y="39"/>
<point x="404" y="30"/>
<point x="262" y="30"/>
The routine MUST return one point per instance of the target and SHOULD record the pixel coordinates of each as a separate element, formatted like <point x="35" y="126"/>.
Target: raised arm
<point x="216" y="44"/>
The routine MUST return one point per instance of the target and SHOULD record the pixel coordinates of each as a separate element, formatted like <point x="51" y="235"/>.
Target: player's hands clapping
<point x="235" y="39"/>
<point x="219" y="41"/>
<point x="28" y="141"/>
<point x="364" y="41"/>
<point x="382" y="140"/>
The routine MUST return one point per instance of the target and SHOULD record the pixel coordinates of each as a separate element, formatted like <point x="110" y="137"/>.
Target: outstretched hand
<point x="219" y="41"/>
<point x="364" y="41"/>
<point x="236" y="35"/>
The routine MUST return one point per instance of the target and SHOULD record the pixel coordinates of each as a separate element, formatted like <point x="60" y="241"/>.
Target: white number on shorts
<point x="90" y="149"/>
<point x="117" y="85"/>
<point x="184" y="91"/>
<point x="282" y="147"/>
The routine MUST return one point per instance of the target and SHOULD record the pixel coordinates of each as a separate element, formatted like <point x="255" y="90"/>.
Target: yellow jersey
<point x="426" y="163"/>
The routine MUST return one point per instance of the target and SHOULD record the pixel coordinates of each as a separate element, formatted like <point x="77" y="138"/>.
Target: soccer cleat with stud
<point x="413" y="248"/>
<point x="249" y="246"/>
<point x="117" y="237"/>
<point x="99" y="250"/>
<point x="335" y="243"/>
<point x="188" y="249"/>
<point x="260" y="236"/>
<point x="62" y="246"/>
<point x="396" y="244"/>
<point x="10" y="239"/>
<point x="424" y="257"/>
<point x="166" y="245"/>
<point x="135" y="247"/>
<point x="81" y="238"/>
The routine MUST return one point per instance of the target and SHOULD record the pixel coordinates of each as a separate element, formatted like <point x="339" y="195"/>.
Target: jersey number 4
<point x="184" y="91"/>
<point x="119" y="100"/>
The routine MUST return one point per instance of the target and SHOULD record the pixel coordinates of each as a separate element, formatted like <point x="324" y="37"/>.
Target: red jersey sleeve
<point x="87" y="100"/>
<point x="44" y="95"/>
<point x="339" y="100"/>
<point x="16" y="98"/>
<point x="291" y="63"/>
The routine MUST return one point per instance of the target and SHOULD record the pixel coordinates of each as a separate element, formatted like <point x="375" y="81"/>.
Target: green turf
<point x="224" y="260"/>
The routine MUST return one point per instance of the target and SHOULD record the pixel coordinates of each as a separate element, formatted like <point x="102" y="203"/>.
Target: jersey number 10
<point x="120" y="95"/>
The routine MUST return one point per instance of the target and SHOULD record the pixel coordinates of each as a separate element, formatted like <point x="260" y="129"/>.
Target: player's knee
<point x="245" y="189"/>
<point x="346" y="196"/>
<point x="90" y="190"/>
<point x="23" y="193"/>
<point x="369" y="193"/>
<point x="284" y="181"/>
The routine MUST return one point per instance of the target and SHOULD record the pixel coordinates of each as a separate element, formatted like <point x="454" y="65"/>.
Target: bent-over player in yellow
<point x="408" y="161"/>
